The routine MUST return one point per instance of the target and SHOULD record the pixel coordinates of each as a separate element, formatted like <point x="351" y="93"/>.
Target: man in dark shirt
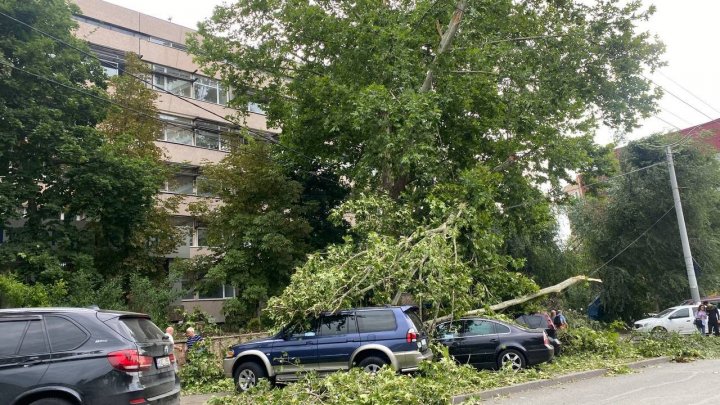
<point x="713" y="315"/>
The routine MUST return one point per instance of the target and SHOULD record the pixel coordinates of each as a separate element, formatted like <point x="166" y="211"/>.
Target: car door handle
<point x="309" y="342"/>
<point x="31" y="361"/>
<point x="493" y="340"/>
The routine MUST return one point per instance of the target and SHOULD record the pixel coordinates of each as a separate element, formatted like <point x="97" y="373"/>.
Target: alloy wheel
<point x="512" y="360"/>
<point x="246" y="379"/>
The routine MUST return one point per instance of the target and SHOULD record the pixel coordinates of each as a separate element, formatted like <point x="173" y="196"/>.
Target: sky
<point x="687" y="27"/>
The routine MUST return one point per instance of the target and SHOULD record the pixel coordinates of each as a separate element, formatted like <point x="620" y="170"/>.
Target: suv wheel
<point x="511" y="359"/>
<point x="247" y="376"/>
<point x="372" y="364"/>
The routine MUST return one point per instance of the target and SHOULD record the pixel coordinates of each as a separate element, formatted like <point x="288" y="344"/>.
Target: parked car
<point x="542" y="321"/>
<point x="678" y="319"/>
<point x="74" y="356"/>
<point x="491" y="344"/>
<point x="369" y="338"/>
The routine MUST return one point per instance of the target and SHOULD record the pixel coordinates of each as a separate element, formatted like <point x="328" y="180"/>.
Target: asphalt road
<point x="670" y="383"/>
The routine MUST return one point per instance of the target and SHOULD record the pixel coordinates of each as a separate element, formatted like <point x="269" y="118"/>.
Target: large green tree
<point x="258" y="232"/>
<point x="651" y="274"/>
<point x="78" y="166"/>
<point x="432" y="106"/>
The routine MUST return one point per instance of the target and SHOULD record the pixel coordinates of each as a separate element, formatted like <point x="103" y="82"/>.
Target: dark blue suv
<point x="369" y="338"/>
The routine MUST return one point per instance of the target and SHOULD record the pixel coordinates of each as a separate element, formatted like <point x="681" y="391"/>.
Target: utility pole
<point x="694" y="292"/>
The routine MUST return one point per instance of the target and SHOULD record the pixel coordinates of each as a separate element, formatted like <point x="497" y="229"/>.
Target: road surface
<point x="670" y="383"/>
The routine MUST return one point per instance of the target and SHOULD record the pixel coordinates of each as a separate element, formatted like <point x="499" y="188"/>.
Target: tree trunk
<point x="445" y="42"/>
<point x="515" y="301"/>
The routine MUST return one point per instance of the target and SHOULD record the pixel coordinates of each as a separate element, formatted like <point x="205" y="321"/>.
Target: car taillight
<point x="172" y="357"/>
<point x="129" y="360"/>
<point x="411" y="335"/>
<point x="545" y="338"/>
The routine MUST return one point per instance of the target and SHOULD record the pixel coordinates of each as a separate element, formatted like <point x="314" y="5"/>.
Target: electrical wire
<point x="678" y="97"/>
<point x="154" y="86"/>
<point x="689" y="92"/>
<point x="632" y="243"/>
<point x="536" y="200"/>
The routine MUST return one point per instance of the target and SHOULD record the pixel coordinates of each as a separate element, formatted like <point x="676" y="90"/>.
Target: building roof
<point x="708" y="132"/>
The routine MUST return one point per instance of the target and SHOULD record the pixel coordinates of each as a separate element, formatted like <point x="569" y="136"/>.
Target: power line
<point x="606" y="180"/>
<point x="689" y="92"/>
<point x="633" y="242"/>
<point x="678" y="97"/>
<point x="154" y="86"/>
<point x="676" y="116"/>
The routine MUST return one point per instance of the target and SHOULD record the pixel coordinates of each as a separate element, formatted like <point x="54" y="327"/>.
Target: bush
<point x="202" y="372"/>
<point x="584" y="340"/>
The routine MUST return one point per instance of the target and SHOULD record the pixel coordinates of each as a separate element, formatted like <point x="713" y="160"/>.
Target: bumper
<point x="409" y="361"/>
<point x="228" y="364"/>
<point x="541" y="355"/>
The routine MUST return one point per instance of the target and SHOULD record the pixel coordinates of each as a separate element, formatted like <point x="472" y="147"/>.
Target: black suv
<point x="368" y="338"/>
<point x="74" y="356"/>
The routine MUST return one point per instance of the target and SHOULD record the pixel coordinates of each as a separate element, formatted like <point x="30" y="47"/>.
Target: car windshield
<point x="665" y="312"/>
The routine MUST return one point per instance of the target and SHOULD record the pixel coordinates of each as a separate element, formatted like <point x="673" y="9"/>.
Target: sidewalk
<point x="199" y="399"/>
<point x="582" y="375"/>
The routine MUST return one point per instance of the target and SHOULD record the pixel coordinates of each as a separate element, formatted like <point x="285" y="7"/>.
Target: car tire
<point x="372" y="364"/>
<point x="659" y="329"/>
<point x="51" y="401"/>
<point x="247" y="376"/>
<point x="511" y="358"/>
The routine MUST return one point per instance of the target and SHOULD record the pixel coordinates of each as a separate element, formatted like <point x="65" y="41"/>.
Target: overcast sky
<point x="687" y="27"/>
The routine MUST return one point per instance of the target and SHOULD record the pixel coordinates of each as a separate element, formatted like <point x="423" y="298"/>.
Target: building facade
<point x="194" y="106"/>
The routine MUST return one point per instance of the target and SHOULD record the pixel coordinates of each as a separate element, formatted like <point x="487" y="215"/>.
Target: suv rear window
<point x="64" y="335"/>
<point x="376" y="321"/>
<point x="139" y="330"/>
<point x="415" y="318"/>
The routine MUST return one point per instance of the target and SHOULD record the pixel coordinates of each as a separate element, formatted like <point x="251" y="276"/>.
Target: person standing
<point x="192" y="337"/>
<point x="713" y="315"/>
<point x="560" y="321"/>
<point x="169" y="331"/>
<point x="701" y="319"/>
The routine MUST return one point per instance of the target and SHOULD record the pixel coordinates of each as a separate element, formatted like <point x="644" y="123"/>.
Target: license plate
<point x="162" y="362"/>
<point x="423" y="342"/>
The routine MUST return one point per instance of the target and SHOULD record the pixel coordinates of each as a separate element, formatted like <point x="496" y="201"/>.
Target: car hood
<point x="648" y="320"/>
<point x="255" y="344"/>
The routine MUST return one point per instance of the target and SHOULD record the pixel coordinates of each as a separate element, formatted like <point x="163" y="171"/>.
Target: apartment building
<point x="196" y="106"/>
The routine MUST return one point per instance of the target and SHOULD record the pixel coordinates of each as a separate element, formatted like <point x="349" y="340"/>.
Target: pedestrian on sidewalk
<point x="713" y="316"/>
<point x="701" y="318"/>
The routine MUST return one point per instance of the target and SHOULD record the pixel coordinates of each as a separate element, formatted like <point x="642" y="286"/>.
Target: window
<point x="376" y="321"/>
<point x="333" y="325"/>
<point x="203" y="134"/>
<point x="202" y="237"/>
<point x="254" y="107"/>
<point x="681" y="313"/>
<point x="216" y="292"/>
<point x="447" y="330"/>
<point x="208" y="140"/>
<point x="64" y="335"/>
<point x="12" y="332"/>
<point x="305" y="328"/>
<point x="502" y="328"/>
<point x="478" y="328"/>
<point x="34" y="341"/>
<point x="210" y="90"/>
<point x="181" y="184"/>
<point x="173" y="80"/>
<point x="203" y="187"/>
<point x="139" y="330"/>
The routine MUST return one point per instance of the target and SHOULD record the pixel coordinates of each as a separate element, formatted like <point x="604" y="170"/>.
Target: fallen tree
<point x="559" y="287"/>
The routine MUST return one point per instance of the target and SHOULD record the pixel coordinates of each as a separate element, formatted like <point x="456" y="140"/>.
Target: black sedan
<point x="487" y="343"/>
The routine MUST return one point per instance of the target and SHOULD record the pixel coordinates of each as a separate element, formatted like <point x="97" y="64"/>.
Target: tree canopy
<point x="441" y="115"/>
<point x="651" y="274"/>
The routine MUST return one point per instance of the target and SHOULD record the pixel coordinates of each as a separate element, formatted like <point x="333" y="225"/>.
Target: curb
<point x="531" y="385"/>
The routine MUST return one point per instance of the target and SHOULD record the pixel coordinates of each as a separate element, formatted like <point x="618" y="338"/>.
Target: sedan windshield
<point x="663" y="313"/>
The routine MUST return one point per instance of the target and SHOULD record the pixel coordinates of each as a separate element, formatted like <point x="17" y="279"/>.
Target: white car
<point x="680" y="319"/>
